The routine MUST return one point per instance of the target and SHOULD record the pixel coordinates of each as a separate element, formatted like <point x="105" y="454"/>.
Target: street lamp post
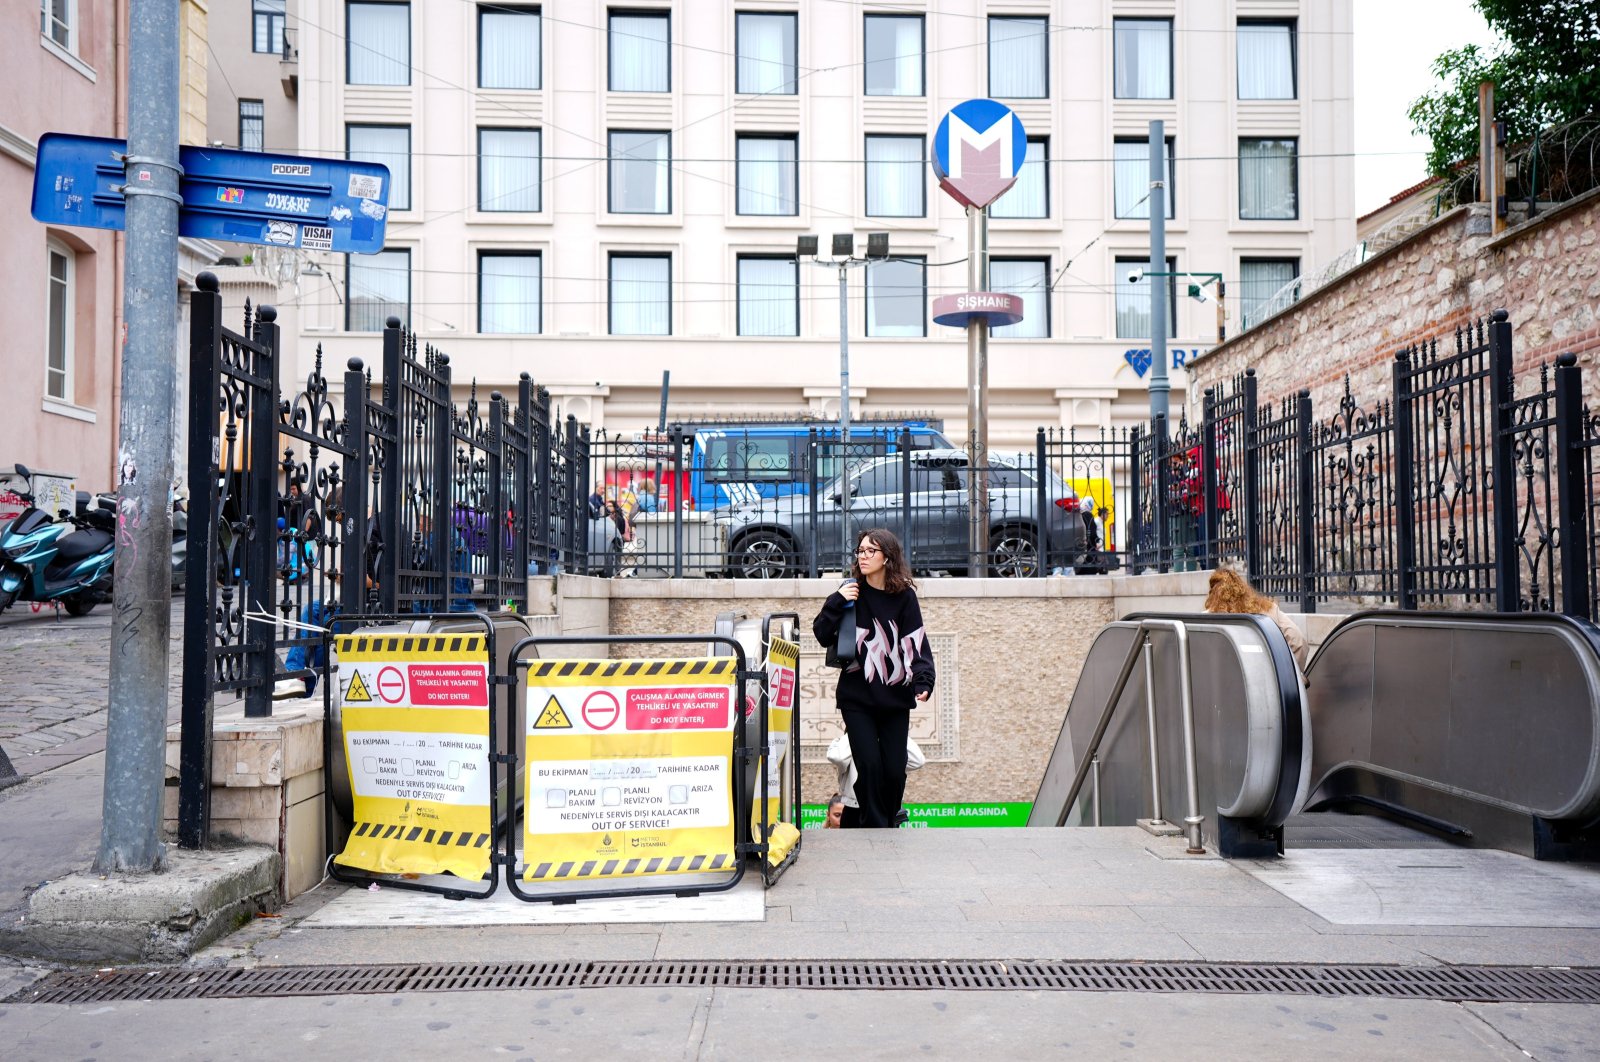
<point x="844" y="259"/>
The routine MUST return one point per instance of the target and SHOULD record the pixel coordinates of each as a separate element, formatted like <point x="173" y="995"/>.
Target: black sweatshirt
<point x="893" y="661"/>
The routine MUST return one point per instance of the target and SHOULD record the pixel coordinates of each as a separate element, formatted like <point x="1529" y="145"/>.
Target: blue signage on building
<point x="234" y="196"/>
<point x="978" y="150"/>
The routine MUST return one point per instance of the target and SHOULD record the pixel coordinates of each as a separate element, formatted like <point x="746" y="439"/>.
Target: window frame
<point x="537" y="11"/>
<point x="1295" y="176"/>
<point x="611" y="292"/>
<point x="738" y="288"/>
<point x="989" y="53"/>
<point x="54" y="247"/>
<point x="922" y="54"/>
<point x="922" y="187"/>
<point x="1171" y="57"/>
<point x="611" y="159"/>
<point x="922" y="302"/>
<point x="1042" y="260"/>
<point x="794" y="59"/>
<point x="661" y="14"/>
<point x="1170" y="143"/>
<point x="1045" y="161"/>
<point x="260" y="118"/>
<point x="1293" y="26"/>
<point x="348" y="126"/>
<point x="1261" y="259"/>
<point x="738" y="164"/>
<point x="349" y="42"/>
<point x="349" y="289"/>
<point x="71" y="26"/>
<point x="538" y="165"/>
<point x="280" y="17"/>
<point x="1119" y="282"/>
<point x="485" y="253"/>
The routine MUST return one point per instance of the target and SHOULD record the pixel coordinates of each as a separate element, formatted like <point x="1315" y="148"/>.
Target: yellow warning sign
<point x="783" y="663"/>
<point x="357" y="690"/>
<point x="554" y="717"/>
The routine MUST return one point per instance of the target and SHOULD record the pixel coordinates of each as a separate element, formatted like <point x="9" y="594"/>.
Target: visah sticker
<point x="316" y="237"/>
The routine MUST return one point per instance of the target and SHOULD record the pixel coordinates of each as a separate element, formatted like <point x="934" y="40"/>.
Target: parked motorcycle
<point x="67" y="560"/>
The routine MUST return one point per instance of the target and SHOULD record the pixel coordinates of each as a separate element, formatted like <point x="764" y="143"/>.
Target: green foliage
<point x="1546" y="70"/>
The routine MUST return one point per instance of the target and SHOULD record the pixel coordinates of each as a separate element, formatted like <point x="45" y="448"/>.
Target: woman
<point x="1232" y="592"/>
<point x="892" y="673"/>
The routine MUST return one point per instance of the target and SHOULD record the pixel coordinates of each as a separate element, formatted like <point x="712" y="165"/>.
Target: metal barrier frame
<point x="741" y="758"/>
<point x="770" y="873"/>
<point x="497" y="821"/>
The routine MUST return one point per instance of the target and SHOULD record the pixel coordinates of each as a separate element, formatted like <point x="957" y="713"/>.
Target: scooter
<point x="66" y="560"/>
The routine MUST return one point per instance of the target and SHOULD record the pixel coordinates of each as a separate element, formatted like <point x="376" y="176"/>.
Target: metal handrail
<point x="1089" y="760"/>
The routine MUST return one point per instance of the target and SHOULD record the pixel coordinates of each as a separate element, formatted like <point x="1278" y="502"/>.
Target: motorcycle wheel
<point x="80" y="605"/>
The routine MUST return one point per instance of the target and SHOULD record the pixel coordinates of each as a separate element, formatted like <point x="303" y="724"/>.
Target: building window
<point x="1259" y="280"/>
<point x="1019" y="65"/>
<point x="768" y="175"/>
<point x="252" y="125"/>
<point x="641" y="167"/>
<point x="1133" y="300"/>
<point x="1132" y="178"/>
<point x="897" y="295"/>
<point x="769" y="296"/>
<point x="58" y="20"/>
<point x="1266" y="60"/>
<point x="61" y="314"/>
<point x="377" y="287"/>
<point x="767" y="53"/>
<point x="378" y="43"/>
<point x="894" y="61"/>
<point x="1142" y="58"/>
<point x="895" y="181"/>
<point x="267" y="32"/>
<point x="1030" y="196"/>
<point x="640" y="57"/>
<point x="509" y="48"/>
<point x="1030" y="278"/>
<point x="641" y="295"/>
<point x="1269" y="179"/>
<point x="508" y="292"/>
<point x="389" y="145"/>
<point x="508" y="170"/>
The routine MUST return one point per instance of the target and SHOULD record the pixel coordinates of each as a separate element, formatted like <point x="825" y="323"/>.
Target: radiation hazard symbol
<point x="357" y="691"/>
<point x="554" y="717"/>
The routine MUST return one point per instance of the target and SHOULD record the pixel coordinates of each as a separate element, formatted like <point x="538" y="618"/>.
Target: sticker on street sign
<point x="233" y="196"/>
<point x="978" y="150"/>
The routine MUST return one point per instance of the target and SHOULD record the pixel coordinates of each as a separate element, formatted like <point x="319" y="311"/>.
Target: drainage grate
<point x="1482" y="984"/>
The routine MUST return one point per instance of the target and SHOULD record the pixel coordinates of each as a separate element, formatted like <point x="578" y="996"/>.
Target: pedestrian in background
<point x="893" y="670"/>
<point x="849" y="816"/>
<point x="1231" y="592"/>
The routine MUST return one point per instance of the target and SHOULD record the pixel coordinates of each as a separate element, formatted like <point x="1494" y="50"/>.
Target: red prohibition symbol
<point x="600" y="710"/>
<point x="391" y="685"/>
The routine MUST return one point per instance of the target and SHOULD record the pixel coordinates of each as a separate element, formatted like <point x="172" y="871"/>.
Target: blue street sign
<point x="978" y="150"/>
<point x="234" y="196"/>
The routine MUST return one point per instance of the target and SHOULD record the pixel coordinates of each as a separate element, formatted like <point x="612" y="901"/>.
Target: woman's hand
<point x="924" y="695"/>
<point x="850" y="591"/>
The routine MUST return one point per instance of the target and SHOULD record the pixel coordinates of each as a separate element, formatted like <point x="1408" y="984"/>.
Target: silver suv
<point x="928" y="511"/>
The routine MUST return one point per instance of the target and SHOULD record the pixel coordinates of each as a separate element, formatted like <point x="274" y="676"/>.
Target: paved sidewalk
<point x="53" y="702"/>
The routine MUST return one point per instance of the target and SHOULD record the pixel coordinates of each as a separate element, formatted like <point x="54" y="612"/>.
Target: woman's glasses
<point x="867" y="551"/>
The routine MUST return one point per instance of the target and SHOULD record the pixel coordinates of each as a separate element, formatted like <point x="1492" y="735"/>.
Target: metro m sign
<point x="978" y="150"/>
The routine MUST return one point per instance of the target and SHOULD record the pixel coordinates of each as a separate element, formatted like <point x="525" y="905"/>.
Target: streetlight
<point x="1197" y="292"/>
<point x="843" y="258"/>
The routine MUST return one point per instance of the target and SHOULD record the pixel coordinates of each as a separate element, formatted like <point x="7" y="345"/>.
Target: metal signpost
<point x="978" y="150"/>
<point x="158" y="191"/>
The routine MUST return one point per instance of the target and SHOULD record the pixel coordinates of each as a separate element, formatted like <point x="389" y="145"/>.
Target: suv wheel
<point x="1013" y="553"/>
<point x="763" y="555"/>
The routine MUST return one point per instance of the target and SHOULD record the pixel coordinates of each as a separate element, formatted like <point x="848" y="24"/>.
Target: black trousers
<point x="878" y="747"/>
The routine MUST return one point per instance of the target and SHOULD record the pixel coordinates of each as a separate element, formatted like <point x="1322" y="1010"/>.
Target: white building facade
<point x="595" y="193"/>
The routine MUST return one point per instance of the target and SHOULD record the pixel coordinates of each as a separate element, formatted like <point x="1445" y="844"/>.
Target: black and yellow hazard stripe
<point x="619" y="868"/>
<point x="722" y="667"/>
<point x="388" y="831"/>
<point x="420" y="646"/>
<point x="783" y="652"/>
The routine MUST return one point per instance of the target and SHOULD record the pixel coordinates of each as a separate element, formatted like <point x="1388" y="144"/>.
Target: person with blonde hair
<point x="1231" y="592"/>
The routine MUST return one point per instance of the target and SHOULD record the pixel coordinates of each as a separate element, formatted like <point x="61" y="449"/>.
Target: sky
<point x="1396" y="42"/>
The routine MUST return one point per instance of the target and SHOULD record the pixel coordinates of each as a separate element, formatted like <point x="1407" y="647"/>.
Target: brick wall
<point x="1545" y="273"/>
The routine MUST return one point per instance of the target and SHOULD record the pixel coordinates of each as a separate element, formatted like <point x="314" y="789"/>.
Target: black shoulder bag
<point x="842" y="653"/>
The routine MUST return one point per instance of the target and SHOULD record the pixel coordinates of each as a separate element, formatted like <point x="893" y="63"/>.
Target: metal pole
<point x="1150" y="718"/>
<point x="977" y="399"/>
<point x="130" y="830"/>
<point x="1094" y="791"/>
<point x="844" y="418"/>
<point x="1193" y="820"/>
<point x="1159" y="387"/>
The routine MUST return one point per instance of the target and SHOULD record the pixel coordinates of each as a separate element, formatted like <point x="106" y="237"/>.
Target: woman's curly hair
<point x="1232" y="592"/>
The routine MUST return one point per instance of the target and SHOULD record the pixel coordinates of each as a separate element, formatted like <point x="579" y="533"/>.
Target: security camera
<point x="1199" y="294"/>
<point x="1135" y="276"/>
